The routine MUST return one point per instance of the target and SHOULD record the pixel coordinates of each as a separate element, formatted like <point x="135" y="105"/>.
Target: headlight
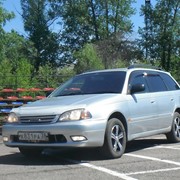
<point x="12" y="118"/>
<point x="75" y="115"/>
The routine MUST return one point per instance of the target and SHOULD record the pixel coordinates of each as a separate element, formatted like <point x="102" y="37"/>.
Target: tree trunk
<point x="94" y="20"/>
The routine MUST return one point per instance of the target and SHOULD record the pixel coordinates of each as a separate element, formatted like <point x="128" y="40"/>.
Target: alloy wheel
<point x="177" y="127"/>
<point x="117" y="138"/>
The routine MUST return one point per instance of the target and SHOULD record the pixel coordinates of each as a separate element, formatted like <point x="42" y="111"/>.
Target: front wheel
<point x="30" y="152"/>
<point x="115" y="139"/>
<point x="174" y="135"/>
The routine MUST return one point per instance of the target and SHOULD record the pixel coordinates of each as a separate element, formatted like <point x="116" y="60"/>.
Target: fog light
<point x="5" y="139"/>
<point x="78" y="138"/>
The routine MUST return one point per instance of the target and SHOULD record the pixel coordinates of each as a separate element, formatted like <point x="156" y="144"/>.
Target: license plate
<point x="33" y="136"/>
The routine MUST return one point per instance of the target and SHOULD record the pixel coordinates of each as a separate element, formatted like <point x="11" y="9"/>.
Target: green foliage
<point x="120" y="64"/>
<point x="116" y="48"/>
<point x="23" y="74"/>
<point x="49" y="76"/>
<point x="167" y="22"/>
<point x="23" y="77"/>
<point x="87" y="59"/>
<point x="15" y="64"/>
<point x="46" y="76"/>
<point x="4" y="17"/>
<point x="37" y="23"/>
<point x="14" y="78"/>
<point x="93" y="35"/>
<point x="175" y="64"/>
<point x="65" y="73"/>
<point x="18" y="55"/>
<point x="89" y="21"/>
<point x="16" y="47"/>
<point x="6" y="77"/>
<point x="161" y="39"/>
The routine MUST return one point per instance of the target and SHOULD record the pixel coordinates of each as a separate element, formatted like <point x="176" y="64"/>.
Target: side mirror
<point x="137" y="88"/>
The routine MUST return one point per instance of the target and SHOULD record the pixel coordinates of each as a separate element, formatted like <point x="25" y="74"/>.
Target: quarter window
<point x="170" y="83"/>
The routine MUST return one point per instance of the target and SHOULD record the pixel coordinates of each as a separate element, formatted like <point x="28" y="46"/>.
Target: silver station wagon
<point x="103" y="109"/>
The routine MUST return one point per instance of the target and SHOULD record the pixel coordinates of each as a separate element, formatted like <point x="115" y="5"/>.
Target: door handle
<point x="153" y="101"/>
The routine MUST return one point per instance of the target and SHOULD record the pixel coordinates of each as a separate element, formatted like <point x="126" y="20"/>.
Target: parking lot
<point x="148" y="158"/>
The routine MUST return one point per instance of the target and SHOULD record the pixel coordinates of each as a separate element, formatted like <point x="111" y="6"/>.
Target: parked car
<point x="102" y="109"/>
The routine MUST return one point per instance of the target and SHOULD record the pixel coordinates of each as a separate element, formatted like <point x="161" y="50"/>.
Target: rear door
<point x="160" y="95"/>
<point x="167" y="100"/>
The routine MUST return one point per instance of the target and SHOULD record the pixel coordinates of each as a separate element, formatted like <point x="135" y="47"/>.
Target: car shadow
<point x="141" y="144"/>
<point x="44" y="160"/>
<point x="74" y="156"/>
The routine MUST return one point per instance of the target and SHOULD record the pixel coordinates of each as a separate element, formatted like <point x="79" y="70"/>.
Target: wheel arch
<point x="177" y="110"/>
<point x="174" y="135"/>
<point x="121" y="117"/>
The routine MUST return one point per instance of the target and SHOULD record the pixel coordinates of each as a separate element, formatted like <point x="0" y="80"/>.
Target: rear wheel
<point x="115" y="139"/>
<point x="30" y="152"/>
<point x="174" y="135"/>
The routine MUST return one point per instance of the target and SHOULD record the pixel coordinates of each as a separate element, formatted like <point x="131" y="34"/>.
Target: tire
<point x="174" y="135"/>
<point x="30" y="152"/>
<point x="115" y="139"/>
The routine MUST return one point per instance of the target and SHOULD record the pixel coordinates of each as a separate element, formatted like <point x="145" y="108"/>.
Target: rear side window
<point x="156" y="83"/>
<point x="170" y="83"/>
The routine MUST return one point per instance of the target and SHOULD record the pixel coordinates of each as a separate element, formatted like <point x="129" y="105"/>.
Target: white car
<point x="102" y="109"/>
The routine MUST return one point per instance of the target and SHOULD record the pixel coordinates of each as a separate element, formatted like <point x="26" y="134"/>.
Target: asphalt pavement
<point x="149" y="158"/>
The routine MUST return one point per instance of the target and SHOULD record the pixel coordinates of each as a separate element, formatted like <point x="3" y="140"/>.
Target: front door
<point x="143" y="108"/>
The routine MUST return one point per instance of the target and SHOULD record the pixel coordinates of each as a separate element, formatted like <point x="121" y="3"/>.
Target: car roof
<point x="129" y="69"/>
<point x="106" y="70"/>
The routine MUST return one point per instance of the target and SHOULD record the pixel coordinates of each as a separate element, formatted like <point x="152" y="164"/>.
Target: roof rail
<point x="144" y="66"/>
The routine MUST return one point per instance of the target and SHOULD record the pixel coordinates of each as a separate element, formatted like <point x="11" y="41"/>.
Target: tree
<point x="16" y="65"/>
<point x="118" y="48"/>
<point x="167" y="23"/>
<point x="6" y="77"/>
<point x="16" y="48"/>
<point x="37" y="23"/>
<point x="175" y="64"/>
<point x="23" y="74"/>
<point x="148" y="41"/>
<point x="14" y="55"/>
<point x="4" y="17"/>
<point x="87" y="59"/>
<point x="163" y="43"/>
<point x="88" y="21"/>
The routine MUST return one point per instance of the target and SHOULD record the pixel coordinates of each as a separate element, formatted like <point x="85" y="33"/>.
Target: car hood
<point x="57" y="105"/>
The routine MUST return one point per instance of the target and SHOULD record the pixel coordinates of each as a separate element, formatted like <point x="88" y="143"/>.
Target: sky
<point x="17" y="23"/>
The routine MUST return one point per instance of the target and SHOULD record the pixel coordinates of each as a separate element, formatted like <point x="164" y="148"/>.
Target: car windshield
<point x="92" y="83"/>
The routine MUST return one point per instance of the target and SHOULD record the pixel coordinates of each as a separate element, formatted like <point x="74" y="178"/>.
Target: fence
<point x="15" y="82"/>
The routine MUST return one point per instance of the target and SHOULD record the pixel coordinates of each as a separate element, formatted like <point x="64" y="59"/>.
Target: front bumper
<point x="60" y="134"/>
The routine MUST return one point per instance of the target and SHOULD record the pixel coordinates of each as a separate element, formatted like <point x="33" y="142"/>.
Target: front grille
<point x="37" y="119"/>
